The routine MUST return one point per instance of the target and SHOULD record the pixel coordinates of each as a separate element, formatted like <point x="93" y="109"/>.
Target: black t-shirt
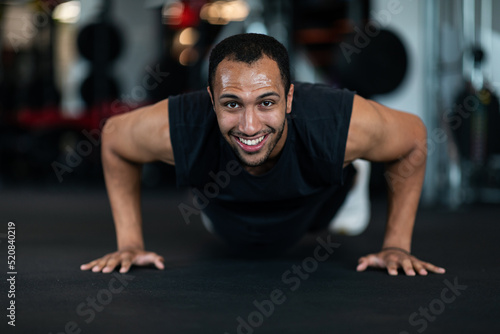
<point x="285" y="200"/>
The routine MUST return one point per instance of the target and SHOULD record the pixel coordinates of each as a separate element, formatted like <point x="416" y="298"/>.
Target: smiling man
<point x="290" y="148"/>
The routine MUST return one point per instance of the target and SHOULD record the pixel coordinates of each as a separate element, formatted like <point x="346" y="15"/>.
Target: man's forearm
<point x="123" y="185"/>
<point x="405" y="178"/>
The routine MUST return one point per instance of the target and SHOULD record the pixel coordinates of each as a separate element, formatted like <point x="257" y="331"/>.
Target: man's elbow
<point x="109" y="133"/>
<point x="417" y="129"/>
<point x="419" y="150"/>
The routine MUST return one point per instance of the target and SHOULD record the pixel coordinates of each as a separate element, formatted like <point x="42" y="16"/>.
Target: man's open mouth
<point x="252" y="145"/>
<point x="252" y="142"/>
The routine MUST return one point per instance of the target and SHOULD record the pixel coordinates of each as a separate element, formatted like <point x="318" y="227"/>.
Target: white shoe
<point x="354" y="214"/>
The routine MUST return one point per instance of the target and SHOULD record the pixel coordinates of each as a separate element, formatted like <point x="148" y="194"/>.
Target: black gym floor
<point x="206" y="289"/>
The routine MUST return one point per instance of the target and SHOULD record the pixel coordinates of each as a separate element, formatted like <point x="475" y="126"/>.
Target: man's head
<point x="251" y="96"/>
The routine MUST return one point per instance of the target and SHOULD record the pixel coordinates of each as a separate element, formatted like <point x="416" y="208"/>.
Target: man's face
<point x="251" y="105"/>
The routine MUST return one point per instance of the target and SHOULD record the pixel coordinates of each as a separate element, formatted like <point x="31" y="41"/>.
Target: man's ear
<point x="211" y="97"/>
<point x="289" y="99"/>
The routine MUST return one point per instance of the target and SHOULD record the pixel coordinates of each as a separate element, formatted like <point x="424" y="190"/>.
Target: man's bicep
<point x="381" y="134"/>
<point x="142" y="135"/>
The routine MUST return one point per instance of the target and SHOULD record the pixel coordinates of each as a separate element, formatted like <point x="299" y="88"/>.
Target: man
<point x="280" y="153"/>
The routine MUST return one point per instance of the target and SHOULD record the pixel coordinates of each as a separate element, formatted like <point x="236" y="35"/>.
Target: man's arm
<point x="381" y="134"/>
<point x="129" y="141"/>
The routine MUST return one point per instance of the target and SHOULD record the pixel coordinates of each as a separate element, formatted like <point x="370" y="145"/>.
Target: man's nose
<point x="250" y="123"/>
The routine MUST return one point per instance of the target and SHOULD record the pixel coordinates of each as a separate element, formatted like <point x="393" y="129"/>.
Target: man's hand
<point x="125" y="259"/>
<point x="392" y="259"/>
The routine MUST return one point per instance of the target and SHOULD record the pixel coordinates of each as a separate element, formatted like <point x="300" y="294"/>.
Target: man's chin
<point x="251" y="162"/>
<point x="249" y="159"/>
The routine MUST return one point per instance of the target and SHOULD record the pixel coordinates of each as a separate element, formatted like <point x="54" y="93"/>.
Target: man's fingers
<point x="374" y="261"/>
<point x="432" y="268"/>
<point x="124" y="259"/>
<point x="392" y="261"/>
<point x="145" y="259"/>
<point x="100" y="263"/>
<point x="97" y="268"/>
<point x="126" y="264"/>
<point x="408" y="267"/>
<point x="419" y="267"/>
<point x="370" y="260"/>
<point x="392" y="268"/>
<point x="87" y="266"/>
<point x="111" y="264"/>
<point x="160" y="262"/>
<point x="363" y="264"/>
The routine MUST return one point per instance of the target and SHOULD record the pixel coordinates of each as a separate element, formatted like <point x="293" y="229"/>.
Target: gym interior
<point x="66" y="67"/>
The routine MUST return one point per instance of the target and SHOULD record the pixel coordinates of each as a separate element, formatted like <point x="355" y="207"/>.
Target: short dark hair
<point x="249" y="48"/>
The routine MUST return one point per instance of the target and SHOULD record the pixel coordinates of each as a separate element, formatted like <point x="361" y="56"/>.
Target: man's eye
<point x="232" y="105"/>
<point x="267" y="103"/>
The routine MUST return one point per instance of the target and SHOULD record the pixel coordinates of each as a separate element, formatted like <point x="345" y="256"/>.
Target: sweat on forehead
<point x="263" y="72"/>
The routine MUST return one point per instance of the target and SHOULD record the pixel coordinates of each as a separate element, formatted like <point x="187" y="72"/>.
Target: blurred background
<point x="67" y="66"/>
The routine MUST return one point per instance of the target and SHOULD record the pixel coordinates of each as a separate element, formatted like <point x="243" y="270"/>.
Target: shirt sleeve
<point x="193" y="132"/>
<point x="322" y="115"/>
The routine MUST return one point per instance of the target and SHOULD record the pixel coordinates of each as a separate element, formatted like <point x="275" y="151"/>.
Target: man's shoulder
<point x="194" y="98"/>
<point x="320" y="121"/>
<point x="192" y="107"/>
<point x="320" y="99"/>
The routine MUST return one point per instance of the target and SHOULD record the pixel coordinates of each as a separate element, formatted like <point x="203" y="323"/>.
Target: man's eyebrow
<point x="229" y="96"/>
<point x="269" y="94"/>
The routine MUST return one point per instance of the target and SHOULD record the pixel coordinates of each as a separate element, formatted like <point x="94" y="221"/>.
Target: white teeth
<point x="252" y="142"/>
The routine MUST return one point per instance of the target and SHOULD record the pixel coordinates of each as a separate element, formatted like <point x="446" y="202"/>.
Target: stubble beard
<point x="271" y="146"/>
